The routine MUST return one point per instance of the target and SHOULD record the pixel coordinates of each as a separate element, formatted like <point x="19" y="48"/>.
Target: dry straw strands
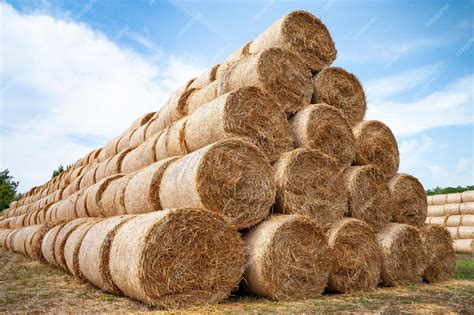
<point x="357" y="257"/>
<point x="231" y="176"/>
<point x="464" y="246"/>
<point x="112" y="201"/>
<point x="141" y="156"/>
<point x="323" y="127"/>
<point x="289" y="258"/>
<point x="376" y="145"/>
<point x="276" y="71"/>
<point x="369" y="200"/>
<point x="61" y="238"/>
<point x="467" y="196"/>
<point x="403" y="254"/>
<point x="47" y="245"/>
<point x="311" y="183"/>
<point x="341" y="89"/>
<point x="93" y="196"/>
<point x="409" y="198"/>
<point x="94" y="252"/>
<point x="183" y="257"/>
<point x="441" y="257"/>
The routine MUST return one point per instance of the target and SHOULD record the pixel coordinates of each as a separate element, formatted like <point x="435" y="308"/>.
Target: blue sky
<point x="75" y="73"/>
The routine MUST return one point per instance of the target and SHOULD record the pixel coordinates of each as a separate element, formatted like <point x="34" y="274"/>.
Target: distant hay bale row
<point x="464" y="197"/>
<point x="451" y="209"/>
<point x="452" y="220"/>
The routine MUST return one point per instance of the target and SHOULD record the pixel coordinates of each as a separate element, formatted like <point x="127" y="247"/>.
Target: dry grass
<point x="35" y="287"/>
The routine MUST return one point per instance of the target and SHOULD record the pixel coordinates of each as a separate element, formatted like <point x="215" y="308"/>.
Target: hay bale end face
<point x="231" y="177"/>
<point x="441" y="258"/>
<point x="409" y="196"/>
<point x="403" y="255"/>
<point x="47" y="245"/>
<point x="61" y="239"/>
<point x="357" y="257"/>
<point x="310" y="183"/>
<point x="289" y="258"/>
<point x="182" y="258"/>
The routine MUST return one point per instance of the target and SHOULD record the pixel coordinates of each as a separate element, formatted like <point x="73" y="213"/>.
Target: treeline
<point x="448" y="190"/>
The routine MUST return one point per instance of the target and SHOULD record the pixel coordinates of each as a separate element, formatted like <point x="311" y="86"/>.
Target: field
<point x="34" y="287"/>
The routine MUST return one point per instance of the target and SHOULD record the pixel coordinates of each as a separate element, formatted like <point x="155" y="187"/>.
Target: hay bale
<point x="101" y="169"/>
<point x="341" y="89"/>
<point x="112" y="201"/>
<point x="19" y="241"/>
<point x="80" y="206"/>
<point x="195" y="257"/>
<point x="369" y="200"/>
<point x="453" y="231"/>
<point x="171" y="141"/>
<point x="276" y="71"/>
<point x="74" y="186"/>
<point x="89" y="178"/>
<point x="3" y="237"/>
<point x="467" y="196"/>
<point x="464" y="246"/>
<point x="439" y="200"/>
<point x="302" y="33"/>
<point x="403" y="254"/>
<point x="137" y="137"/>
<point x="441" y="258"/>
<point x="466" y="208"/>
<point x="231" y="176"/>
<point x="35" y="239"/>
<point x="141" y="156"/>
<point x="94" y="195"/>
<point x="439" y="220"/>
<point x="142" y="192"/>
<point x="467" y="220"/>
<point x="247" y="113"/>
<point x="205" y="78"/>
<point x="48" y="243"/>
<point x="322" y="127"/>
<point x="310" y="183"/>
<point x="140" y="121"/>
<point x="460" y="220"/>
<point x="288" y="258"/>
<point x="436" y="211"/>
<point x="357" y="257"/>
<point x="9" y="240"/>
<point x="453" y="198"/>
<point x="95" y="250"/>
<point x="466" y="232"/>
<point x="409" y="197"/>
<point x="451" y="208"/>
<point x="376" y="145"/>
<point x="199" y="97"/>
<point x="62" y="237"/>
<point x="114" y="166"/>
<point x="73" y="244"/>
<point x="110" y="148"/>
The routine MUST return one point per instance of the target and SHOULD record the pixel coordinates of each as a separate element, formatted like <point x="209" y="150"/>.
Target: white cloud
<point x="61" y="81"/>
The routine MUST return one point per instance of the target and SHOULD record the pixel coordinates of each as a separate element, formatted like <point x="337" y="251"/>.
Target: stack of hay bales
<point x="454" y="211"/>
<point x="275" y="129"/>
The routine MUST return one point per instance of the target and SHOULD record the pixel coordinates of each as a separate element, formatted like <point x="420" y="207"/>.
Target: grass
<point x="29" y="286"/>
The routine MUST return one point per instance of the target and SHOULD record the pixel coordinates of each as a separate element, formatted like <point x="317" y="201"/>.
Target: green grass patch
<point x="464" y="267"/>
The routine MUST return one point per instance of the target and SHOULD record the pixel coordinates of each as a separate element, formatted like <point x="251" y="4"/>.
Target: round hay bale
<point x="453" y="231"/>
<point x="95" y="250"/>
<point x="464" y="246"/>
<point x="181" y="258"/>
<point x="62" y="237"/>
<point x="451" y="208"/>
<point x="439" y="200"/>
<point x="113" y="197"/>
<point x="142" y="193"/>
<point x="94" y="195"/>
<point x="454" y="198"/>
<point x="466" y="232"/>
<point x="310" y="183"/>
<point x="137" y="137"/>
<point x="140" y="121"/>
<point x="171" y="141"/>
<point x="199" y="97"/>
<point x="403" y="254"/>
<point x="323" y="127"/>
<point x="110" y="148"/>
<point x="124" y="142"/>
<point x="73" y="244"/>
<point x="115" y="164"/>
<point x="9" y="240"/>
<point x="467" y="220"/>
<point x="409" y="197"/>
<point x="439" y="220"/>
<point x="376" y="145"/>
<point x="341" y="89"/>
<point x="3" y="237"/>
<point x="466" y="208"/>
<point x="302" y="33"/>
<point x="74" y="186"/>
<point x="247" y="113"/>
<point x="19" y="240"/>
<point x="276" y="71"/>
<point x="441" y="258"/>
<point x="140" y="157"/>
<point x="100" y="172"/>
<point x="288" y="258"/>
<point x="436" y="211"/>
<point x="231" y="176"/>
<point x="35" y="239"/>
<point x="369" y="200"/>
<point x="48" y="243"/>
<point x="205" y="78"/>
<point x="454" y="220"/>
<point x="80" y="206"/>
<point x="89" y="177"/>
<point x="467" y="196"/>
<point x="357" y="257"/>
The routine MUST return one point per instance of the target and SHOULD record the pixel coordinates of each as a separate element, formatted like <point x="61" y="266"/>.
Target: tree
<point x="8" y="191"/>
<point x="58" y="171"/>
<point x="448" y="190"/>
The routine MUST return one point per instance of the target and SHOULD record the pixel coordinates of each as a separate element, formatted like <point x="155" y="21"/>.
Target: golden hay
<point x="436" y="211"/>
<point x="171" y="141"/>
<point x="198" y="97"/>
<point x="19" y="241"/>
<point x="80" y="206"/>
<point x="89" y="178"/>
<point x="403" y="254"/>
<point x="140" y="121"/>
<point x="289" y="258"/>
<point x="9" y="240"/>
<point x="95" y="251"/>
<point x="369" y="200"/>
<point x="438" y="220"/>
<point x="48" y="243"/>
<point x="409" y="196"/>
<point x="322" y="127"/>
<point x="467" y="196"/>
<point x="142" y="193"/>
<point x="205" y="78"/>
<point x="94" y="195"/>
<point x="62" y="237"/>
<point x="439" y="200"/>
<point x="181" y="258"/>
<point x="114" y="166"/>
<point x="441" y="258"/>
<point x="140" y="157"/>
<point x="231" y="176"/>
<point x="454" y="198"/>
<point x="376" y="145"/>
<point x="276" y="71"/>
<point x="112" y="201"/>
<point x="466" y="208"/>
<point x="452" y="209"/>
<point x="357" y="257"/>
<point x="464" y="246"/>
<point x="310" y="183"/>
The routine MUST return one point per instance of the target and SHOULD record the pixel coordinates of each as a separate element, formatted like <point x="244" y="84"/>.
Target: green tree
<point x="448" y="190"/>
<point x="58" y="171"/>
<point x="8" y="191"/>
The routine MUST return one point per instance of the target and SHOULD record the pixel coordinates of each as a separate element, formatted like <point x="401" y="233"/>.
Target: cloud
<point x="62" y="82"/>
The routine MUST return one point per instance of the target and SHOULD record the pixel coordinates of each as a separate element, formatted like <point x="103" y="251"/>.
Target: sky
<point x="76" y="73"/>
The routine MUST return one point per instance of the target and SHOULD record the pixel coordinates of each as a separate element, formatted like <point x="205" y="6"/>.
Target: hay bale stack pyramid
<point x="454" y="211"/>
<point x="261" y="173"/>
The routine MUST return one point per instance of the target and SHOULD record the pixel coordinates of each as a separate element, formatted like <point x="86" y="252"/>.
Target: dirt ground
<point x="29" y="286"/>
